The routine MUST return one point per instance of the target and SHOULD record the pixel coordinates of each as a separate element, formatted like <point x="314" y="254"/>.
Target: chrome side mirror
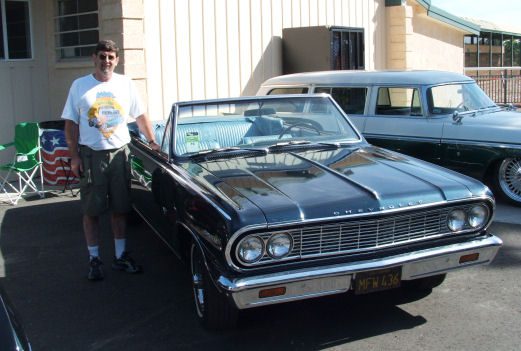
<point x="456" y="117"/>
<point x="510" y="107"/>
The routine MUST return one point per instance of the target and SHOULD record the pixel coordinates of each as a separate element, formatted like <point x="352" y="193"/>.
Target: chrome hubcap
<point x="510" y="178"/>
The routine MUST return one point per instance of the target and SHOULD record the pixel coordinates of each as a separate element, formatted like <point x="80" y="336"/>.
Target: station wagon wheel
<point x="508" y="180"/>
<point x="213" y="308"/>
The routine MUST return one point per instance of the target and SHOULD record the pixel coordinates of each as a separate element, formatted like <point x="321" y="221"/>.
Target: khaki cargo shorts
<point x="105" y="181"/>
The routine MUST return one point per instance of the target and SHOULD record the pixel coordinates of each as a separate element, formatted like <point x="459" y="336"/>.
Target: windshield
<point x="446" y="99"/>
<point x="259" y="122"/>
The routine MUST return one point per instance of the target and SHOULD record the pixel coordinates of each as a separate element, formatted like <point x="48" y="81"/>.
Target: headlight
<point x="456" y="220"/>
<point x="251" y="249"/>
<point x="279" y="245"/>
<point x="477" y="216"/>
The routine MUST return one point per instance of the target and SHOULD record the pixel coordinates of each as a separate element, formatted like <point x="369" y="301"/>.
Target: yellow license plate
<point x="368" y="282"/>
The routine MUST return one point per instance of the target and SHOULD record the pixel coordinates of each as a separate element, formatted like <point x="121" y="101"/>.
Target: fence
<point x="502" y="87"/>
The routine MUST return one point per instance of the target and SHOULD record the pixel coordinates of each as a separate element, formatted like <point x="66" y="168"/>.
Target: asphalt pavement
<point x="43" y="266"/>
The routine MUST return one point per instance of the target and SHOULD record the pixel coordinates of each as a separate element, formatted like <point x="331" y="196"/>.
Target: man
<point x="96" y="113"/>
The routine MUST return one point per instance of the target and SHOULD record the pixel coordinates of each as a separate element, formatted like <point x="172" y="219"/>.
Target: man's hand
<point x="76" y="166"/>
<point x="154" y="146"/>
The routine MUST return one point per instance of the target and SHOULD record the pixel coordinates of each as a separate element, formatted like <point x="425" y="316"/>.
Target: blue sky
<point x="497" y="11"/>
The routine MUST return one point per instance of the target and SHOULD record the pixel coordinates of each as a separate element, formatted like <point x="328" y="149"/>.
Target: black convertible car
<point x="279" y="198"/>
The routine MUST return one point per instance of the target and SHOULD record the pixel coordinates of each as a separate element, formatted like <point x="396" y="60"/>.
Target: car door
<point x="397" y="119"/>
<point x="153" y="190"/>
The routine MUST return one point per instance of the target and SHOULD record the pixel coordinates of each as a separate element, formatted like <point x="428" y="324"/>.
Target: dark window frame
<point x="16" y="30"/>
<point x="347" y="48"/>
<point x="493" y="49"/>
<point x="76" y="28"/>
<point x="386" y="103"/>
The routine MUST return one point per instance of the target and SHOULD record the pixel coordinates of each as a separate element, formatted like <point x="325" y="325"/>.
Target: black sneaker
<point x="95" y="271"/>
<point x="127" y="264"/>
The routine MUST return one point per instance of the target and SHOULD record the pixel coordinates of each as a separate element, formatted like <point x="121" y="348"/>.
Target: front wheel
<point x="507" y="180"/>
<point x="213" y="308"/>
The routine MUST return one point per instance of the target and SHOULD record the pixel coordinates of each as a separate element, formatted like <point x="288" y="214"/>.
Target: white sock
<point x="93" y="251"/>
<point x="119" y="245"/>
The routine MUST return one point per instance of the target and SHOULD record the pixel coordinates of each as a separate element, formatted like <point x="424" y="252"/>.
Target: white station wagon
<point x="441" y="117"/>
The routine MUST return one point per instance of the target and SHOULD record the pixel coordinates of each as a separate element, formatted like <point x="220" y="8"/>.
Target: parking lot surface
<point x="43" y="262"/>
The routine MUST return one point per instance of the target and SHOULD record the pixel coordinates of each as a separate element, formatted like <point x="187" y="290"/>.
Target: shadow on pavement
<point x="45" y="267"/>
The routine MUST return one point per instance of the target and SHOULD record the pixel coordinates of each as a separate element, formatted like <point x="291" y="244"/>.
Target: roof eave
<point x="450" y="19"/>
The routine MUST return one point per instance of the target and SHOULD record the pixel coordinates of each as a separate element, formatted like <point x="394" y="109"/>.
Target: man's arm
<point x="72" y="132"/>
<point x="143" y="122"/>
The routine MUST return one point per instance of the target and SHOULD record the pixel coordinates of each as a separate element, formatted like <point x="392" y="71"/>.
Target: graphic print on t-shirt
<point x="105" y="114"/>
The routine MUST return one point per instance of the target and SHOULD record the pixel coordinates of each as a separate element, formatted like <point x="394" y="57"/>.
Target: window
<point x="497" y="50"/>
<point x="15" y="30"/>
<point x="347" y="49"/>
<point x="398" y="101"/>
<point x="446" y="99"/>
<point x="278" y="91"/>
<point x="516" y="48"/>
<point x="76" y="28"/>
<point x="351" y="100"/>
<point x="471" y="51"/>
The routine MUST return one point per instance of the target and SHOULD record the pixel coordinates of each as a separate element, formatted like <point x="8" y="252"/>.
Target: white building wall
<point x="23" y="83"/>
<point x="202" y="49"/>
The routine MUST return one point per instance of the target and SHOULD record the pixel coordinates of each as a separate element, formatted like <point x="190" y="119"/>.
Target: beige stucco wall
<point x="416" y="41"/>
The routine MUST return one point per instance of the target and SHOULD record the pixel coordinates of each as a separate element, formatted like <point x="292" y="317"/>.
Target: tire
<point x="507" y="180"/>
<point x="424" y="284"/>
<point x="212" y="307"/>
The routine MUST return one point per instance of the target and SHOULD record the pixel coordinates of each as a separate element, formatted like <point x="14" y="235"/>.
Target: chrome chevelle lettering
<point x="381" y="208"/>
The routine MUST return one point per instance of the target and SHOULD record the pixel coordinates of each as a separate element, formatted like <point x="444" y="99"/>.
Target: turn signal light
<point x="272" y="292"/>
<point x="469" y="258"/>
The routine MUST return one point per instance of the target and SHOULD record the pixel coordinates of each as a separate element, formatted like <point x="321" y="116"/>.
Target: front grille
<point x="364" y="235"/>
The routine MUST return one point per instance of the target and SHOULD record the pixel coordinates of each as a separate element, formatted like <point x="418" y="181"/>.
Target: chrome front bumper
<point x="334" y="279"/>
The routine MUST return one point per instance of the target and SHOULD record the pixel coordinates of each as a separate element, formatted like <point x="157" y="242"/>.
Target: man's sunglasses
<point x="103" y="57"/>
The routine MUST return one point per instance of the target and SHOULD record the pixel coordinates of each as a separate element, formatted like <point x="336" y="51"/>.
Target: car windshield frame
<point x="233" y="125"/>
<point x="457" y="97"/>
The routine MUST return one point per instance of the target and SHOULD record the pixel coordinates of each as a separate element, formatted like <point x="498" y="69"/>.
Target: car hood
<point x="289" y="187"/>
<point x="498" y="127"/>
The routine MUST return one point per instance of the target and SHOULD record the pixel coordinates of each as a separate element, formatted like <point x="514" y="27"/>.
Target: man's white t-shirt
<point x="102" y="109"/>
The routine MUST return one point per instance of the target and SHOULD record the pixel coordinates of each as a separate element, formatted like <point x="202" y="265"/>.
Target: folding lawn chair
<point x="26" y="162"/>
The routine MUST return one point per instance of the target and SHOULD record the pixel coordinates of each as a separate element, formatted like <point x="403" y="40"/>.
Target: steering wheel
<point x="299" y="124"/>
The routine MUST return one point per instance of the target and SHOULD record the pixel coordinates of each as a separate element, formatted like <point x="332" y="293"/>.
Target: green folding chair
<point x="26" y="162"/>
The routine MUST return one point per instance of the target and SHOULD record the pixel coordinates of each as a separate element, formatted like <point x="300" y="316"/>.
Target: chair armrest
<point x="5" y="146"/>
<point x="32" y="152"/>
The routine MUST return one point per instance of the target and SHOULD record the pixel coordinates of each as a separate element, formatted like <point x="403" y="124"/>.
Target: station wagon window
<point x="76" y="28"/>
<point x="279" y="91"/>
<point x="351" y="100"/>
<point x="446" y="99"/>
<point x="15" y="30"/>
<point x="398" y="101"/>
